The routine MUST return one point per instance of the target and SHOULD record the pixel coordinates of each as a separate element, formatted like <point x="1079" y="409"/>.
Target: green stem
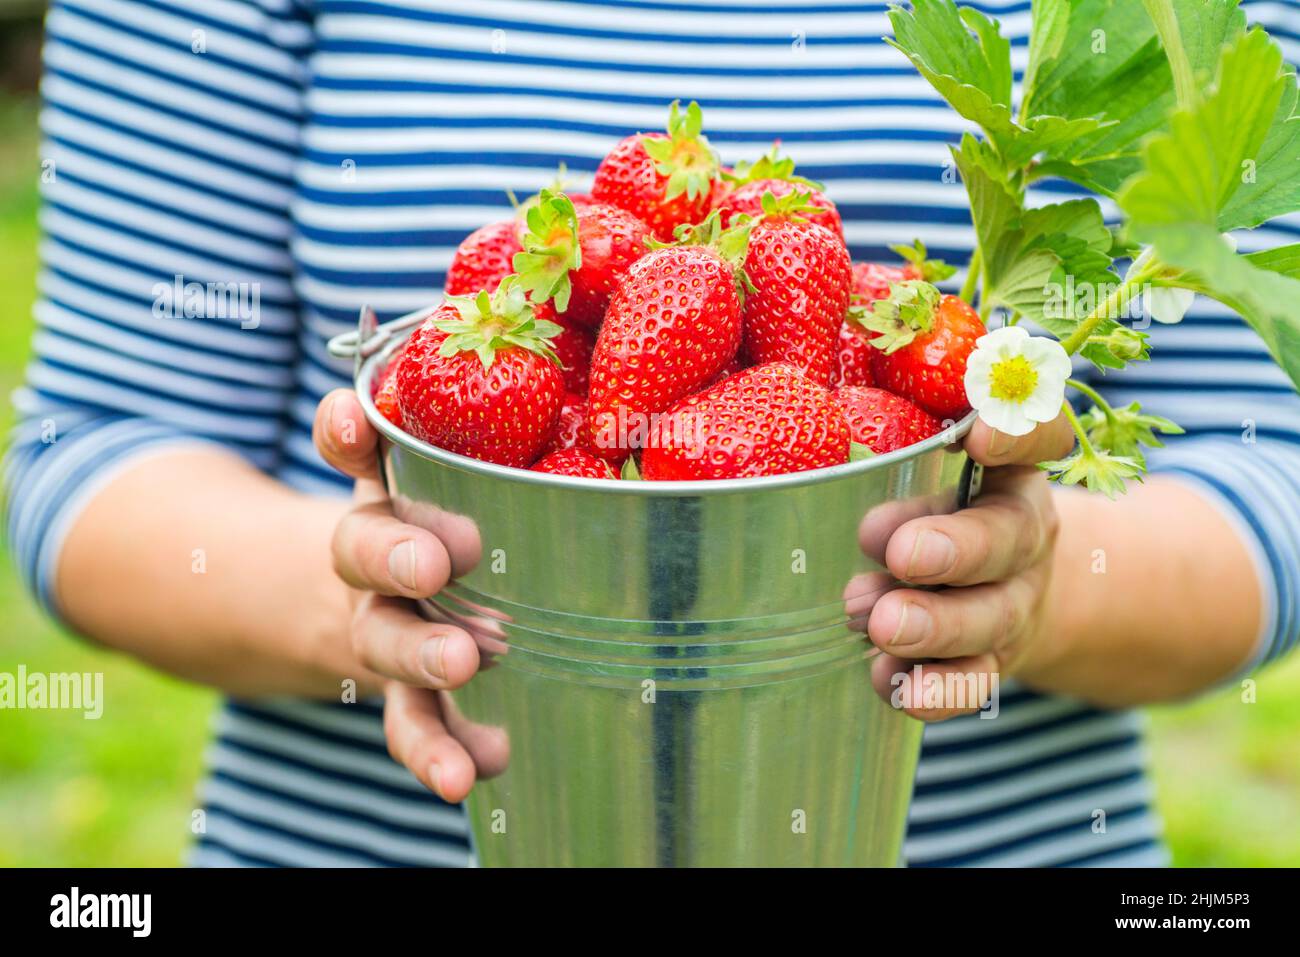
<point x="1138" y="274"/>
<point x="1075" y="424"/>
<point x="1095" y="396"/>
<point x="972" y="276"/>
<point x="1162" y="15"/>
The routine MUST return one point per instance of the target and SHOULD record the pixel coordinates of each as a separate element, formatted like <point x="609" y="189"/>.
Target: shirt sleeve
<point x="165" y="313"/>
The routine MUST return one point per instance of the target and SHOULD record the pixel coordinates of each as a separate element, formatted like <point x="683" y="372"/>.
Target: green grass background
<point x="119" y="791"/>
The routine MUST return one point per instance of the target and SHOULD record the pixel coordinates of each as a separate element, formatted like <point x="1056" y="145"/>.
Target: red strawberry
<point x="385" y="389"/>
<point x="483" y="258"/>
<point x="573" y="345"/>
<point x="800" y="275"/>
<point x="852" y="356"/>
<point x="479" y="378"/>
<point x="871" y="281"/>
<point x="672" y="325"/>
<point x="854" y="349"/>
<point x="576" y="256"/>
<point x="748" y="199"/>
<point x="664" y="180"/>
<point x="767" y="420"/>
<point x="923" y="339"/>
<point x="576" y="462"/>
<point x="883" y="421"/>
<point x="571" y="432"/>
<point x="774" y="173"/>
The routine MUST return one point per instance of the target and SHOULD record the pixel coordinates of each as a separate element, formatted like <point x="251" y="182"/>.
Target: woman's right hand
<point x="387" y="563"/>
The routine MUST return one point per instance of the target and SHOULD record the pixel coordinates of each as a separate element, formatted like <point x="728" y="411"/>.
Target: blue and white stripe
<point x="334" y="152"/>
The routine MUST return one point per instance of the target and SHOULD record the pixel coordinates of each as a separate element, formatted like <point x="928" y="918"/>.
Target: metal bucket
<point x="675" y="673"/>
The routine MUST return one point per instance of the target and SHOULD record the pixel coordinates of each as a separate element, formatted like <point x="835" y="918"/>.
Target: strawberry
<point x="576" y="256"/>
<point x="576" y="462"/>
<point x="871" y="281"/>
<point x="665" y="180"/>
<point x="483" y="258"/>
<point x="771" y="173"/>
<point x="800" y="275"/>
<point x="571" y="432"/>
<point x="881" y="420"/>
<point x="572" y="345"/>
<point x="480" y="379"/>
<point x="384" y="391"/>
<point x="922" y="339"/>
<point x="748" y="199"/>
<point x="672" y="325"/>
<point x="767" y="420"/>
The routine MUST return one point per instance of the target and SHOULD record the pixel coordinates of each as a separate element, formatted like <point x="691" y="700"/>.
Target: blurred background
<point x="119" y="791"/>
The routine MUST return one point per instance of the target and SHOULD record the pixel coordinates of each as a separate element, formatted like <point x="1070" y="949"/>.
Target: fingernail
<point x="913" y="626"/>
<point x="401" y="564"/>
<point x="932" y="554"/>
<point x="435" y="778"/>
<point x="431" y="658"/>
<point x="1001" y="444"/>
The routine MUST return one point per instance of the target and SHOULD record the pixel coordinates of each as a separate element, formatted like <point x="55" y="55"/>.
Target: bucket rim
<point x="366" y="368"/>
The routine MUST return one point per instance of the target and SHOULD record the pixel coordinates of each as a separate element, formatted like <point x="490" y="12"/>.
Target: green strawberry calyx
<point x="685" y="158"/>
<point x="771" y="165"/>
<point x="795" y="206"/>
<point x="558" y="185"/>
<point x="730" y="243"/>
<point x="491" y="323"/>
<point x="907" y="310"/>
<point x="551" y="249"/>
<point x="932" y="270"/>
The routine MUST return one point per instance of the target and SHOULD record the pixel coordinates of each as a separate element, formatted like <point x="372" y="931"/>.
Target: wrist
<point x="1077" y="578"/>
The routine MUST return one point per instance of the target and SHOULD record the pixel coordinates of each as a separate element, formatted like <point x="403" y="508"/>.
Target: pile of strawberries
<point x="681" y="321"/>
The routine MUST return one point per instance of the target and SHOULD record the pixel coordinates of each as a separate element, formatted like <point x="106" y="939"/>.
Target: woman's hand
<point x="994" y="560"/>
<point x="387" y="564"/>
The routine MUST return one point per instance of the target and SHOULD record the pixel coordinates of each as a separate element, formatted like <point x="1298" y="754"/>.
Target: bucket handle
<point x="970" y="483"/>
<point x="370" y="336"/>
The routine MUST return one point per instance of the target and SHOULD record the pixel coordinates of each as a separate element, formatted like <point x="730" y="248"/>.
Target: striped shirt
<point x="332" y="153"/>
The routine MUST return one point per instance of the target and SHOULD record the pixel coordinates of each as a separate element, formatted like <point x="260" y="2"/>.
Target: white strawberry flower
<point x="1167" y="304"/>
<point x="1015" y="380"/>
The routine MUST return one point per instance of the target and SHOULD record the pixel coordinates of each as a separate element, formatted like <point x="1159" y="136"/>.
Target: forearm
<point x="195" y="562"/>
<point x="1153" y="596"/>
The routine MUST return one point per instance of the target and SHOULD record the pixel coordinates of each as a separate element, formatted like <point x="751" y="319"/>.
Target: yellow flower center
<point x="1013" y="380"/>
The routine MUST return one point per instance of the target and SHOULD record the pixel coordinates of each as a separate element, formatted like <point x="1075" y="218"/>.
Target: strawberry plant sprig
<point x="1174" y="110"/>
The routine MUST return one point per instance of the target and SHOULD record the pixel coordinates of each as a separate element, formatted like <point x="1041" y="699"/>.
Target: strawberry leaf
<point x="1267" y="299"/>
<point x="630" y="471"/>
<point x="1049" y="264"/>
<point x="1104" y="59"/>
<point x="1193" y="186"/>
<point x="965" y="58"/>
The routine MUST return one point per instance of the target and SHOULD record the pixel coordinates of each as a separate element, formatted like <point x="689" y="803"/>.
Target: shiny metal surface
<point x="674" y="673"/>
